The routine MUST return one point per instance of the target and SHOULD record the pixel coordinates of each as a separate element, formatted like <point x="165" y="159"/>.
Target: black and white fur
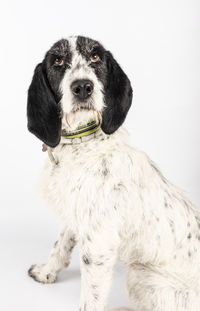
<point x="112" y="199"/>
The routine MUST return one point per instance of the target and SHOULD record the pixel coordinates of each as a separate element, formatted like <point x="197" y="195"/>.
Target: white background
<point x="158" y="45"/>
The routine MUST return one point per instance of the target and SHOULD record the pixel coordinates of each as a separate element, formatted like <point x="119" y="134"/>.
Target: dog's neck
<point x="74" y="121"/>
<point x="77" y="127"/>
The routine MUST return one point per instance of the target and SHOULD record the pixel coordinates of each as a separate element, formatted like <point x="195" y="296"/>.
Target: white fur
<point x="79" y="69"/>
<point x="118" y="205"/>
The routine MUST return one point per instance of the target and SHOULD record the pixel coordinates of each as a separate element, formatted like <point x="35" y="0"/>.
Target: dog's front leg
<point x="98" y="255"/>
<point x="59" y="258"/>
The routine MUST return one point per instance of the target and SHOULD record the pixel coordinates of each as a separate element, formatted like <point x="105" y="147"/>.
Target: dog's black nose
<point x="82" y="89"/>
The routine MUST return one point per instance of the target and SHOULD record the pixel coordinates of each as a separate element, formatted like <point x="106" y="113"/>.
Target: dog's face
<point x="77" y="70"/>
<point x="76" y="79"/>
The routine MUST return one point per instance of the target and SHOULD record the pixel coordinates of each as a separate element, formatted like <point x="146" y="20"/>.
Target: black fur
<point x="44" y="115"/>
<point x="118" y="96"/>
<point x="43" y="109"/>
<point x="55" y="73"/>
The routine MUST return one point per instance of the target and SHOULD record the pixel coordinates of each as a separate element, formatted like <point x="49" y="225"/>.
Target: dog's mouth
<point x="82" y="113"/>
<point x="83" y="105"/>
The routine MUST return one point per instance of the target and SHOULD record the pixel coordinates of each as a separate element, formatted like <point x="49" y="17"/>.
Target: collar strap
<point x="86" y="130"/>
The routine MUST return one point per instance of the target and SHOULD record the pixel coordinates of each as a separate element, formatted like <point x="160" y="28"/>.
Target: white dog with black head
<point x="111" y="198"/>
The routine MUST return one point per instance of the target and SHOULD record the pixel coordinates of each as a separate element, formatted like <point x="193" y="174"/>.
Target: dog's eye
<point x="59" y="61"/>
<point x="94" y="57"/>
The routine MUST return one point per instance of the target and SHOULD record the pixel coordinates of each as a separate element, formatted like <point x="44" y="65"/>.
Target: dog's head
<point x="76" y="78"/>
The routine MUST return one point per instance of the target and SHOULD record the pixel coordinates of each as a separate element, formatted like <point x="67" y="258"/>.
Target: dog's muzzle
<point x="82" y="89"/>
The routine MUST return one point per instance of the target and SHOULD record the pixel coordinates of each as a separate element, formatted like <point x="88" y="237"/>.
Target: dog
<point x="111" y="198"/>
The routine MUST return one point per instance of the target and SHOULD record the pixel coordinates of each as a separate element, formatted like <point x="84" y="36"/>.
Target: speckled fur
<point x="118" y="205"/>
<point x="115" y="202"/>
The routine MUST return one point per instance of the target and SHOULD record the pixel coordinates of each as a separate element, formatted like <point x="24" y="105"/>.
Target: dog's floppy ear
<point x="118" y="96"/>
<point x="44" y="116"/>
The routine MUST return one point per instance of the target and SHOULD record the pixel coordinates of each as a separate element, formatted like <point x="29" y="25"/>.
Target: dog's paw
<point x="41" y="273"/>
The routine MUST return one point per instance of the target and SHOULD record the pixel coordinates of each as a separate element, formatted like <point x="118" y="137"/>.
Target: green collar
<point x="85" y="130"/>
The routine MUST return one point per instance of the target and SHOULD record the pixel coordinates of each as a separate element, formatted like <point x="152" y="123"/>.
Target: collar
<point x="82" y="134"/>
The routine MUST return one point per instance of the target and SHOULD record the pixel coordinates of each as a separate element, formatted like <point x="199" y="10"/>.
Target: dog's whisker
<point x="67" y="120"/>
<point x="99" y="117"/>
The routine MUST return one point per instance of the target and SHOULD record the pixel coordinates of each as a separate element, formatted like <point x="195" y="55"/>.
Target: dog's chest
<point x="83" y="180"/>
